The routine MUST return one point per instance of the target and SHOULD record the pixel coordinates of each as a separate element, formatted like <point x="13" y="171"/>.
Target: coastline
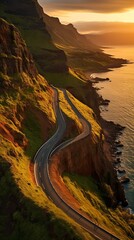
<point x="110" y="129"/>
<point x="120" y="110"/>
<point x="111" y="145"/>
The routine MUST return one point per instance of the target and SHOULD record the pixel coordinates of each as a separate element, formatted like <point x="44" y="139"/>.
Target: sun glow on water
<point x="121" y="109"/>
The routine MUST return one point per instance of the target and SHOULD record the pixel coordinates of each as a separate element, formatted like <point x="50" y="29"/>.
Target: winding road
<point x="41" y="167"/>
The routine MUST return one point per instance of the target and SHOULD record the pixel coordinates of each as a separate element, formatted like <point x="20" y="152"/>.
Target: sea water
<point x="120" y="92"/>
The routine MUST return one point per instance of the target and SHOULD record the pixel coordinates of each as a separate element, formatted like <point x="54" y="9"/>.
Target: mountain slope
<point x="83" y="55"/>
<point x="26" y="121"/>
<point x="113" y="38"/>
<point x="66" y="36"/>
<point x="26" y="16"/>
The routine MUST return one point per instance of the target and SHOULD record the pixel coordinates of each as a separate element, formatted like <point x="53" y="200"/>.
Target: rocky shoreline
<point x="112" y="132"/>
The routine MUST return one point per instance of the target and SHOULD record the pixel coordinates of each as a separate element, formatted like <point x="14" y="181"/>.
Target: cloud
<point x="100" y="6"/>
<point x="104" y="27"/>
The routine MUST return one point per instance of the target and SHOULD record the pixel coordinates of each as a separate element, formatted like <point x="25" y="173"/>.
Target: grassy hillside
<point x="24" y="14"/>
<point x="28" y="212"/>
<point x="86" y="190"/>
<point x="26" y="121"/>
<point x="91" y="199"/>
<point x="67" y="36"/>
<point x="82" y="54"/>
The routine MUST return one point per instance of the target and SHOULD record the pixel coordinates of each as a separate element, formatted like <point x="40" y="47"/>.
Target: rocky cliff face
<point x="26" y="117"/>
<point x="14" y="55"/>
<point x="67" y="36"/>
<point x="87" y="158"/>
<point x="26" y="15"/>
<point x="77" y="46"/>
<point x="20" y="83"/>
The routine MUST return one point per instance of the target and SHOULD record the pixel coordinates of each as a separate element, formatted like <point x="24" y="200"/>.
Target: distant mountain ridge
<point x="83" y="55"/>
<point x="112" y="38"/>
<point x="67" y="35"/>
<point x="27" y="120"/>
<point x="26" y="15"/>
<point x="55" y="47"/>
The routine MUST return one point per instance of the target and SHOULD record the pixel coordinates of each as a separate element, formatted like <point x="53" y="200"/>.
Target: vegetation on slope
<point x="28" y="212"/>
<point x="92" y="61"/>
<point x="89" y="116"/>
<point x="71" y="81"/>
<point x="25" y="15"/>
<point x="87" y="191"/>
<point x="67" y="36"/>
<point x="85" y="111"/>
<point x="26" y="121"/>
<point x="91" y="199"/>
<point x="21" y="136"/>
<point x="82" y="54"/>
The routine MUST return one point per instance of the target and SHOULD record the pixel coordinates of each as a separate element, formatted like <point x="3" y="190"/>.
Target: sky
<point x="85" y="11"/>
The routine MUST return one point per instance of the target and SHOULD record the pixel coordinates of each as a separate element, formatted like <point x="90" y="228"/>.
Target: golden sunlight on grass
<point x="85" y="190"/>
<point x="89" y="116"/>
<point x="20" y="137"/>
<point x="66" y="108"/>
<point x="22" y="176"/>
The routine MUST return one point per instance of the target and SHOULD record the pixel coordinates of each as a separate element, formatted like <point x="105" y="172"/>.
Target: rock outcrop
<point x="67" y="36"/>
<point x="26" y="15"/>
<point x="87" y="158"/>
<point x="20" y="83"/>
<point x="14" y="55"/>
<point x="26" y="114"/>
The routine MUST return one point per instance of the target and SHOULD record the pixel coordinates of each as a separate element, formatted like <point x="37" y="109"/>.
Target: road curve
<point x="41" y="167"/>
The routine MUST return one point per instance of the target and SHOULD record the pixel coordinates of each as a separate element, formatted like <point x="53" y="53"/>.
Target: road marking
<point x="47" y="152"/>
<point x="43" y="186"/>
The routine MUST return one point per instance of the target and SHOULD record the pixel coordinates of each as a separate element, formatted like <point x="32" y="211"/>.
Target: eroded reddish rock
<point x="14" y="55"/>
<point x="87" y="158"/>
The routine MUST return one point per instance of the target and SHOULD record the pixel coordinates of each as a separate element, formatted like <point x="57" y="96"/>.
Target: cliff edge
<point x="26" y="15"/>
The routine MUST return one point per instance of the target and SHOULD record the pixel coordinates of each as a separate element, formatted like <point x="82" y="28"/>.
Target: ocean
<point x="120" y="92"/>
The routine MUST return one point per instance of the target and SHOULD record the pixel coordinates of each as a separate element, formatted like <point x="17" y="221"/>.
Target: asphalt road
<point x="41" y="167"/>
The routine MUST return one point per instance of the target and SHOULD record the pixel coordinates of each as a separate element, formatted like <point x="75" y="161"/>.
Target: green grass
<point x="64" y="80"/>
<point x="32" y="131"/>
<point x="25" y="207"/>
<point x="33" y="213"/>
<point x="68" y="81"/>
<point x="91" y="61"/>
<point x="25" y="210"/>
<point x="89" y="116"/>
<point x="91" y="200"/>
<point x="37" y="40"/>
<point x="36" y="37"/>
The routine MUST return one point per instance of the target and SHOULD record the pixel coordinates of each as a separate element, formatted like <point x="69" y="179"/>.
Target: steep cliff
<point x="26" y="16"/>
<point x="26" y="121"/>
<point x="86" y="157"/>
<point x="84" y="177"/>
<point x="78" y="47"/>
<point x="14" y="54"/>
<point x="67" y="36"/>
